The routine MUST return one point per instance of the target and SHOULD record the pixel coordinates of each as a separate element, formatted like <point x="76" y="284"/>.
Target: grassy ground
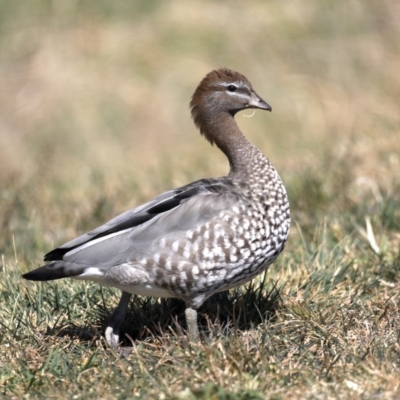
<point x="94" y="120"/>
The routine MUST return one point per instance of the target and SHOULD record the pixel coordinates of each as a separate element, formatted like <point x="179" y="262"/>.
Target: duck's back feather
<point x="144" y="213"/>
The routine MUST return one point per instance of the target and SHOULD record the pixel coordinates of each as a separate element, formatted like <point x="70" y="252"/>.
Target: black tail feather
<point x="50" y="272"/>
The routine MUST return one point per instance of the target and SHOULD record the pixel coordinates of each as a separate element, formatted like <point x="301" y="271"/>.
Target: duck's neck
<point x="225" y="133"/>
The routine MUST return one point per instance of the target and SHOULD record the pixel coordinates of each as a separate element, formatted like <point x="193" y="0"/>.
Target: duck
<point x="189" y="243"/>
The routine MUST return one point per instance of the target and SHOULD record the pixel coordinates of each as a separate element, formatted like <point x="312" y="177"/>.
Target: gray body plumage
<point x="194" y="241"/>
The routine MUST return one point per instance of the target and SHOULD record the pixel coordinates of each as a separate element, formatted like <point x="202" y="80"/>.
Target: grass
<point x="80" y="143"/>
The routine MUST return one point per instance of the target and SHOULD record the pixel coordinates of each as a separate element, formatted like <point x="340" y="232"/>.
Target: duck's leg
<point x="191" y="323"/>
<point x="118" y="316"/>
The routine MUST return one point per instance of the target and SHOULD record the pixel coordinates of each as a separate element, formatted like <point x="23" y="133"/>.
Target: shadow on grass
<point x="223" y="313"/>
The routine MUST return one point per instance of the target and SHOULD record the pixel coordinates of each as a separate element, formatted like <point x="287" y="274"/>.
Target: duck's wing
<point x="139" y="217"/>
<point x="137" y="234"/>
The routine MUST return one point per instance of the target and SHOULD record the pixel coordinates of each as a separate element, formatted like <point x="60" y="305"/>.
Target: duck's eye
<point x="232" y="88"/>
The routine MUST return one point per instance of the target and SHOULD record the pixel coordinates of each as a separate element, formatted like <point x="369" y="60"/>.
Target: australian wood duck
<point x="208" y="236"/>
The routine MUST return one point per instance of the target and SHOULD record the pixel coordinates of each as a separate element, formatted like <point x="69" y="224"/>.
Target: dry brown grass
<point x="94" y="120"/>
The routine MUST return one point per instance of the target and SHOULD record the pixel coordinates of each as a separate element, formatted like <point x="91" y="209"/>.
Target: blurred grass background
<point x="94" y="120"/>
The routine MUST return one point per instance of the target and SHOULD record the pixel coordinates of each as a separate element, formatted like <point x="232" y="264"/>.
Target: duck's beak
<point x="257" y="102"/>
